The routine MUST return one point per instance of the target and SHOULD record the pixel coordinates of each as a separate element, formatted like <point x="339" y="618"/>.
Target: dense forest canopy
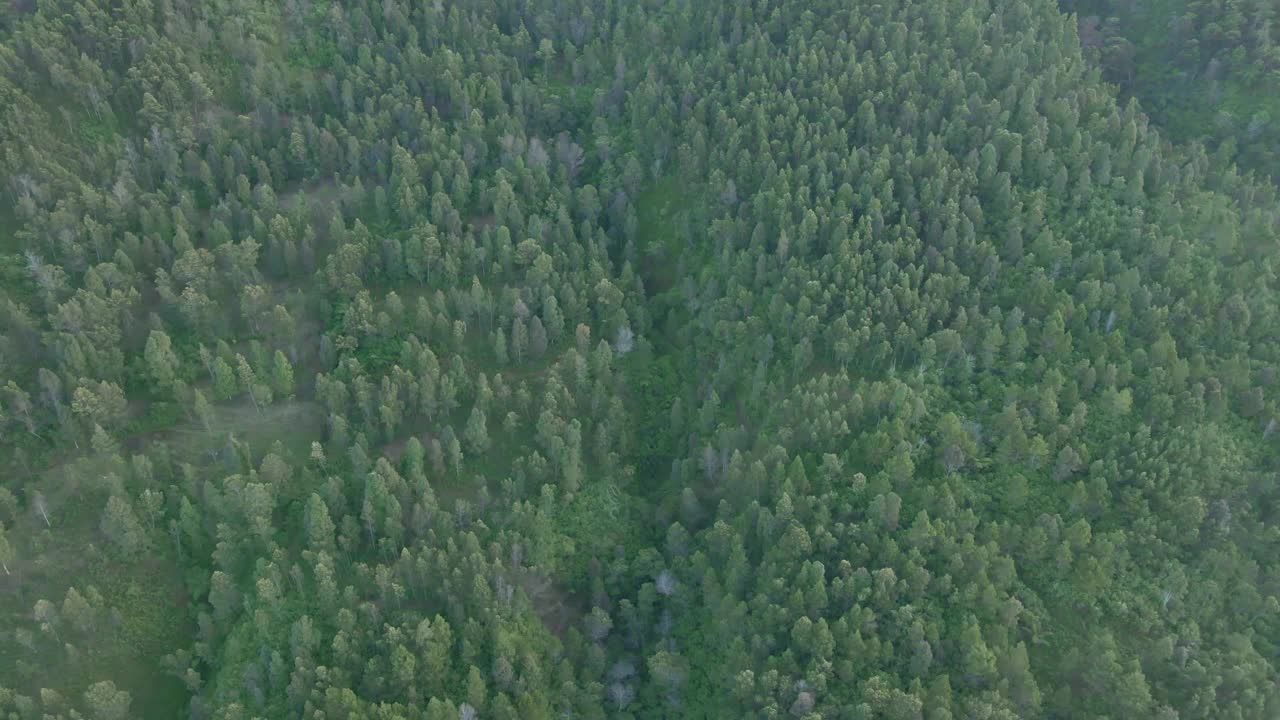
<point x="1204" y="69"/>
<point x="583" y="359"/>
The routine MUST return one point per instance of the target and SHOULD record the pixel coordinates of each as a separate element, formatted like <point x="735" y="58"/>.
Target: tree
<point x="1068" y="463"/>
<point x="121" y="526"/>
<point x="669" y="670"/>
<point x="46" y="613"/>
<point x="9" y="505"/>
<point x="954" y="442"/>
<point x="282" y="376"/>
<point x="500" y="347"/>
<point x="7" y="552"/>
<point x="979" y="661"/>
<point x="546" y="53"/>
<point x="476" y="690"/>
<point x="162" y="361"/>
<point x="519" y="338"/>
<point x="598" y="624"/>
<point x="20" y="406"/>
<point x="223" y="595"/>
<point x="102" y="403"/>
<point x="259" y="392"/>
<point x="203" y="410"/>
<point x="224" y="380"/>
<point x="40" y="505"/>
<point x="624" y="342"/>
<point x="892" y="251"/>
<point x="51" y="387"/>
<point x="105" y="701"/>
<point x="476" y="433"/>
<point x="318" y="524"/>
<point x="77" y="611"/>
<point x="102" y="442"/>
<point x="537" y="338"/>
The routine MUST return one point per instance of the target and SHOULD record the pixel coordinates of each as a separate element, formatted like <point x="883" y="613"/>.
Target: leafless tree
<point x="665" y="583"/>
<point x="621" y="694"/>
<point x="625" y="341"/>
<point x="41" y="507"/>
<point x="537" y="155"/>
<point x="952" y="458"/>
<point x="569" y="153"/>
<point x="730" y="194"/>
<point x="803" y="704"/>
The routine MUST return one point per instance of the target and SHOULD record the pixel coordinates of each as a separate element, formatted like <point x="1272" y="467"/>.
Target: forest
<point x="1204" y="70"/>
<point x="640" y="359"/>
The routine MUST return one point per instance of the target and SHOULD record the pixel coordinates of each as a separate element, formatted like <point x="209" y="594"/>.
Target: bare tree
<point x="730" y="194"/>
<point x="710" y="462"/>
<point x="952" y="458"/>
<point x="665" y="583"/>
<point x="621" y="694"/>
<point x="40" y="506"/>
<point x="537" y="155"/>
<point x="569" y="153"/>
<point x="598" y="624"/>
<point x="803" y="704"/>
<point x="7" y="554"/>
<point x="625" y="341"/>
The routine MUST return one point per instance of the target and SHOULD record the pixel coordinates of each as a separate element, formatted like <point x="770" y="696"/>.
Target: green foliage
<point x="1205" y="70"/>
<point x="653" y="384"/>
<point x="684" y="359"/>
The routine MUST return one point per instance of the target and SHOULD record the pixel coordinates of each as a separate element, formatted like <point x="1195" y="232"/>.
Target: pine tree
<point x="121" y="526"/>
<point x="476" y="433"/>
<point x="282" y="376"/>
<point x="319" y="526"/>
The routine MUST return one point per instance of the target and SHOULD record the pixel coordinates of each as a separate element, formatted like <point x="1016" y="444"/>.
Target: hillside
<point x="1206" y="70"/>
<point x="700" y="359"/>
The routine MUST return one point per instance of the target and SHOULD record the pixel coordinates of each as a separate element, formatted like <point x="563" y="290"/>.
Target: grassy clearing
<point x="663" y="211"/>
<point x="657" y="212"/>
<point x="291" y="424"/>
<point x="138" y="607"/>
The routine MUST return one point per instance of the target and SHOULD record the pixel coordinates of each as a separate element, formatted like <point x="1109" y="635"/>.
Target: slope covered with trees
<point x="1206" y="70"/>
<point x="599" y="359"/>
